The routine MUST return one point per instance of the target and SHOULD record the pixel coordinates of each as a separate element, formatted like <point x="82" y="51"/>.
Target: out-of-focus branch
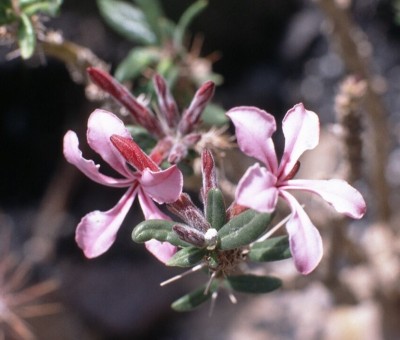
<point x="352" y="43"/>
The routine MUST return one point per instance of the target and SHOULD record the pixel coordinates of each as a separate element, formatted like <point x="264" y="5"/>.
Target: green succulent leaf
<point x="214" y="115"/>
<point x="215" y="210"/>
<point x="128" y="20"/>
<point x="160" y="230"/>
<point x="136" y="62"/>
<point x="185" y="20"/>
<point x="153" y="11"/>
<point x="243" y="229"/>
<point x="47" y="7"/>
<point x="273" y="249"/>
<point x="194" y="299"/>
<point x="26" y="37"/>
<point x="253" y="284"/>
<point x="187" y="257"/>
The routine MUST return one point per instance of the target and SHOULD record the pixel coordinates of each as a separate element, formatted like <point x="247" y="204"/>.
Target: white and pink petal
<point x="338" y="193"/>
<point x="304" y="239"/>
<point x="97" y="230"/>
<point x="74" y="156"/>
<point x="301" y="130"/>
<point x="257" y="189"/>
<point x="101" y="126"/>
<point x="164" y="186"/>
<point x="254" y="129"/>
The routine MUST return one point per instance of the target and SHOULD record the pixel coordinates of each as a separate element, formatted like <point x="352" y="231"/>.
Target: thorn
<point x="177" y="277"/>
<point x="210" y="281"/>
<point x="212" y="305"/>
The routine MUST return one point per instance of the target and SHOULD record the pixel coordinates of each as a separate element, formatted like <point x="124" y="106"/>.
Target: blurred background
<point x="270" y="54"/>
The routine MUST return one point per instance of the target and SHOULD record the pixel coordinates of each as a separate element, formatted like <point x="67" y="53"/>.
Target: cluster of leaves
<point x="160" y="45"/>
<point x="218" y="240"/>
<point x="23" y="15"/>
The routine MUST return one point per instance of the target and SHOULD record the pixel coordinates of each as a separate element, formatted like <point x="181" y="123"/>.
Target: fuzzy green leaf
<point x="243" y="229"/>
<point x="160" y="230"/>
<point x="194" y="299"/>
<point x="153" y="11"/>
<point x="136" y="62"/>
<point x="253" y="284"/>
<point x="215" y="210"/>
<point x="187" y="257"/>
<point x="185" y="20"/>
<point x="46" y="7"/>
<point x="273" y="249"/>
<point x="26" y="37"/>
<point x="128" y="20"/>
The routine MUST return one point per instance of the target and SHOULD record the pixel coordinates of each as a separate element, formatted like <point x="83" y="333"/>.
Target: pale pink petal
<point x="97" y="230"/>
<point x="254" y="128"/>
<point x="304" y="239"/>
<point x="163" y="186"/>
<point x="301" y="130"/>
<point x="341" y="195"/>
<point x="163" y="251"/>
<point x="101" y="126"/>
<point x="257" y="189"/>
<point x="74" y="156"/>
<point x="149" y="208"/>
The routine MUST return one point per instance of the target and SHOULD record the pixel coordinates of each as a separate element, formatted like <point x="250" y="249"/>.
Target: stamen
<point x="177" y="277"/>
<point x="232" y="298"/>
<point x="212" y="305"/>
<point x="210" y="281"/>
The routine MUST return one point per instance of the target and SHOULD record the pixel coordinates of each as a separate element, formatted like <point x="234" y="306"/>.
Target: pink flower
<point x="108" y="136"/>
<point x="260" y="187"/>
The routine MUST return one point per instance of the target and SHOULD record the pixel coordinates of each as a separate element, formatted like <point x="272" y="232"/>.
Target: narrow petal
<point x="74" y="156"/>
<point x="101" y="126"/>
<point x="304" y="239"/>
<point x="301" y="130"/>
<point x="97" y="230"/>
<point x="162" y="251"/>
<point x="163" y="186"/>
<point x="191" y="116"/>
<point x="257" y="189"/>
<point x="341" y="195"/>
<point x="254" y="129"/>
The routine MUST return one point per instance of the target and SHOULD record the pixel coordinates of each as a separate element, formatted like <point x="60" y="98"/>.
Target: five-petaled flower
<point x="108" y="136"/>
<point x="260" y="187"/>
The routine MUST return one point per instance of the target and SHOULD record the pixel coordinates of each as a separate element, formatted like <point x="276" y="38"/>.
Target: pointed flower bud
<point x="208" y="172"/>
<point x="166" y="102"/>
<point x="189" y="213"/>
<point x="192" y="115"/>
<point x="189" y="235"/>
<point x="140" y="113"/>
